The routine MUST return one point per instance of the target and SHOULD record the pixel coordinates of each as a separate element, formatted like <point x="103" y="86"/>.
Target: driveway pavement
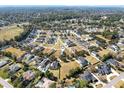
<point x="114" y="81"/>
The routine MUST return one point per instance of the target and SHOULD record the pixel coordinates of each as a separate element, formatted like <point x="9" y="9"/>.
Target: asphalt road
<point x="5" y="84"/>
<point x="114" y="81"/>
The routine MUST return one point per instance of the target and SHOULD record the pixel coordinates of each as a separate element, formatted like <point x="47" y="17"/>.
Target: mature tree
<point x="81" y="83"/>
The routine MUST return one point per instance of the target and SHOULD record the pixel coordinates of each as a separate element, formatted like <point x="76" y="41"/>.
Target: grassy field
<point x="17" y="52"/>
<point x="57" y="53"/>
<point x="65" y="68"/>
<point x="9" y="32"/>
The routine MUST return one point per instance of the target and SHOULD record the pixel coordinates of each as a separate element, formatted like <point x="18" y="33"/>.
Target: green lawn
<point x="3" y="74"/>
<point x="1" y="86"/>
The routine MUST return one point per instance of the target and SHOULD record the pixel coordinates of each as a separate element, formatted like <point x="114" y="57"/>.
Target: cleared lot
<point x="9" y="32"/>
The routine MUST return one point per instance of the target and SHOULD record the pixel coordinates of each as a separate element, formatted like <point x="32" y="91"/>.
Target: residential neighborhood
<point x="74" y="48"/>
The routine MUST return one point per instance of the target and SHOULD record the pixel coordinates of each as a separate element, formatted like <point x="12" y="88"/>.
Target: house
<point x="114" y="48"/>
<point x="3" y="63"/>
<point x="51" y="40"/>
<point x="88" y="38"/>
<point x="4" y="23"/>
<point x="104" y="69"/>
<point x="121" y="44"/>
<point x="44" y="83"/>
<point x="54" y="65"/>
<point x="112" y="62"/>
<point x="29" y="75"/>
<point x="41" y="39"/>
<point x="37" y="49"/>
<point x="85" y="44"/>
<point x="88" y="77"/>
<point x="28" y="58"/>
<point x="44" y="65"/>
<point x="69" y="43"/>
<point x="83" y="62"/>
<point x="121" y="33"/>
<point x="32" y="46"/>
<point x="14" y="68"/>
<point x="95" y="54"/>
<point x="98" y="43"/>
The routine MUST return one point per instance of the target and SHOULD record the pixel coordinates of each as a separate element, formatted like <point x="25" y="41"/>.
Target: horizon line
<point x="69" y="5"/>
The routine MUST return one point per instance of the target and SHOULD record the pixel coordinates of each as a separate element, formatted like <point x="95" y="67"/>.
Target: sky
<point x="62" y="2"/>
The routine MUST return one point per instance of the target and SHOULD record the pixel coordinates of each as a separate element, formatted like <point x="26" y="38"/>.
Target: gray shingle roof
<point x="88" y="77"/>
<point x="83" y="61"/>
<point x="104" y="69"/>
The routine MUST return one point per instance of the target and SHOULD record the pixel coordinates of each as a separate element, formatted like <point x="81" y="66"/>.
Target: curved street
<point x="114" y="81"/>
